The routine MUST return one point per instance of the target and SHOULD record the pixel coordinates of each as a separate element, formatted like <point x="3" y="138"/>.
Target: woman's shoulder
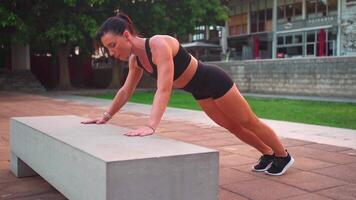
<point x="165" y="40"/>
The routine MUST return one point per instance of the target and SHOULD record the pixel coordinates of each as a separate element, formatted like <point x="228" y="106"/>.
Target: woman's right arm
<point x="124" y="93"/>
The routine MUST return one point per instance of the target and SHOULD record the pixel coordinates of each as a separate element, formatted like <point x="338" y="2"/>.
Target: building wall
<point x="328" y="76"/>
<point x="348" y="28"/>
<point x="337" y="19"/>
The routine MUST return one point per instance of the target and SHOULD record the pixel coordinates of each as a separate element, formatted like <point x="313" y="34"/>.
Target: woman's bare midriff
<point x="187" y="75"/>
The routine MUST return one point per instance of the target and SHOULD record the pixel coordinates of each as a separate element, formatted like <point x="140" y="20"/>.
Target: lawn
<point x="341" y="115"/>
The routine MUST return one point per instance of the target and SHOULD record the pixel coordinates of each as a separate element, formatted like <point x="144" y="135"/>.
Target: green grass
<point x="341" y="115"/>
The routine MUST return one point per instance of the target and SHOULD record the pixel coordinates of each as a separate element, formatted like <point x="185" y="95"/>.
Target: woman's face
<point x="119" y="46"/>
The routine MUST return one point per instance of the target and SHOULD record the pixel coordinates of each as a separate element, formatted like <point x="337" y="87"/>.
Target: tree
<point x="177" y="18"/>
<point x="12" y="30"/>
<point x="65" y="24"/>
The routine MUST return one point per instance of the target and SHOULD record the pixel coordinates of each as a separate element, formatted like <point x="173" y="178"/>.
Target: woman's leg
<point x="212" y="110"/>
<point x="235" y="107"/>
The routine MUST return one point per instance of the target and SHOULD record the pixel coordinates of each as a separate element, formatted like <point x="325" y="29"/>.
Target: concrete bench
<point x="99" y="162"/>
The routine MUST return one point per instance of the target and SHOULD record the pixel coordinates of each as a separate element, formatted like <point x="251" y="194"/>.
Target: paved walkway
<point x="313" y="133"/>
<point x="321" y="171"/>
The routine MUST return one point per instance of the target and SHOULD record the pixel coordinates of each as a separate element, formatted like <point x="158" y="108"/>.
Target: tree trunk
<point x="115" y="78"/>
<point x="62" y="52"/>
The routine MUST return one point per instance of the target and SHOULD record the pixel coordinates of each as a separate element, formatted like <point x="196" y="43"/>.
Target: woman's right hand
<point x="106" y="117"/>
<point x="102" y="120"/>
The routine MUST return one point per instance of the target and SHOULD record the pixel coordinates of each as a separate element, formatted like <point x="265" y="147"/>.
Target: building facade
<point x="262" y="29"/>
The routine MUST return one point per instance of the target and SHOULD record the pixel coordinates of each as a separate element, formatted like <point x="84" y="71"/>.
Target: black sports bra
<point x="181" y="61"/>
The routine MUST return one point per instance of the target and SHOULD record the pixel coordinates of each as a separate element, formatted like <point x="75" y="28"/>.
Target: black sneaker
<point x="280" y="165"/>
<point x="264" y="163"/>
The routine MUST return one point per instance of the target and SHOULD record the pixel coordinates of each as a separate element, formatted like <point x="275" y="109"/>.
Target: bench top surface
<point x="107" y="141"/>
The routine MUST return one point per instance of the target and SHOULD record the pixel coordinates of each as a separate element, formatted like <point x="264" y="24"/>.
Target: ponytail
<point x="116" y="25"/>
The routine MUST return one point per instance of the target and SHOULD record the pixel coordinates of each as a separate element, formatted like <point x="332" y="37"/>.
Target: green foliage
<point x="12" y="27"/>
<point x="49" y="23"/>
<point x="173" y="17"/>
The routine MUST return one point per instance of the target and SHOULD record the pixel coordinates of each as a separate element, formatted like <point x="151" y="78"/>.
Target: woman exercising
<point x="167" y="61"/>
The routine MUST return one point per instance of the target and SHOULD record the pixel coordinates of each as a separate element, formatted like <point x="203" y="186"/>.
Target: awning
<point x="199" y="44"/>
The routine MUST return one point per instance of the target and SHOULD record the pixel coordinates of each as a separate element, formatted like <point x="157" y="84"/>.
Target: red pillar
<point x="321" y="41"/>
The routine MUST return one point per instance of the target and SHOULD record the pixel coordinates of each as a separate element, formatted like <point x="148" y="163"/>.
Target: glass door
<point x="310" y="44"/>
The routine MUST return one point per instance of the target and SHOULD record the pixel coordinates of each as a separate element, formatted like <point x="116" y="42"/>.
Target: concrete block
<point x="20" y="168"/>
<point x="99" y="162"/>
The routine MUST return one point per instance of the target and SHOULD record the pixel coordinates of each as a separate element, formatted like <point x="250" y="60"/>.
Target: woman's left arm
<point x="162" y="55"/>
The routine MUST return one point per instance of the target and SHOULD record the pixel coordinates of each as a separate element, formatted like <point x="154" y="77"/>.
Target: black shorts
<point x="209" y="81"/>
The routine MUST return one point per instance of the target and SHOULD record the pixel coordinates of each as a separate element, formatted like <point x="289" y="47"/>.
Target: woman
<point x="167" y="61"/>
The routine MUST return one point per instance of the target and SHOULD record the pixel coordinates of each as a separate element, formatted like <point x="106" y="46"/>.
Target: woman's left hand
<point x="140" y="132"/>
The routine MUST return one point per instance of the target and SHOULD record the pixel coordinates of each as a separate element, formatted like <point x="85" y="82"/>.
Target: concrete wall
<point x="328" y="76"/>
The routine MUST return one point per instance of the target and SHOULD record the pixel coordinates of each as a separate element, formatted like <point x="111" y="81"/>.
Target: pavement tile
<point x="220" y="135"/>
<point x="304" y="163"/>
<point x="196" y="137"/>
<point x="242" y="149"/>
<point x="186" y="127"/>
<point x="4" y="139"/>
<point x="263" y="189"/>
<point x="333" y="157"/>
<point x="247" y="169"/>
<point x="4" y="153"/>
<point x="4" y="165"/>
<point x="326" y="147"/>
<point x="227" y="195"/>
<point x="309" y="196"/>
<point x="341" y="172"/>
<point x="235" y="160"/>
<point x="50" y="195"/>
<point x="7" y="176"/>
<point x="347" y="192"/>
<point x="294" y="142"/>
<point x="175" y="135"/>
<point x="217" y="142"/>
<point x="351" y="152"/>
<point x="309" y="181"/>
<point x="21" y="188"/>
<point x="224" y="153"/>
<point x="229" y="175"/>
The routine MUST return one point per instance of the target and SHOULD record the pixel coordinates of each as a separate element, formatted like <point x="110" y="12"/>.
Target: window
<point x="331" y="45"/>
<point x="269" y="14"/>
<point x="311" y="8"/>
<point x="332" y="6"/>
<point x="298" y="9"/>
<point x="318" y="8"/>
<point x="311" y="36"/>
<point x="290" y="45"/>
<point x="199" y="36"/>
<point x="321" y="7"/>
<point x="310" y="49"/>
<point x="201" y="28"/>
<point x="298" y="39"/>
<point x="290" y="10"/>
<point x="261" y="16"/>
<point x="289" y="39"/>
<point x="281" y="12"/>
<point x="238" y="22"/>
<point x="280" y="40"/>
<point x="350" y="2"/>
